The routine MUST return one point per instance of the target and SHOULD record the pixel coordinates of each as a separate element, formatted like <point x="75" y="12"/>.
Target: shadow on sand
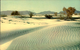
<point x="9" y="35"/>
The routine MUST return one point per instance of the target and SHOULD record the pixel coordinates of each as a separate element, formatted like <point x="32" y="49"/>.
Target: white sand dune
<point x="9" y="34"/>
<point x="55" y="35"/>
<point x="62" y="37"/>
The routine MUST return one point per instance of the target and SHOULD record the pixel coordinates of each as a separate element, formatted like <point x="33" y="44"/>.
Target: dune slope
<point x="62" y="37"/>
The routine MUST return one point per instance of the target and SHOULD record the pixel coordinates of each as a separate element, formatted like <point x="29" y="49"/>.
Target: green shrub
<point x="48" y="16"/>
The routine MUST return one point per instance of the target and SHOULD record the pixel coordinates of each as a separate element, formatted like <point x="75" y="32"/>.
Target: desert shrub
<point x="61" y="17"/>
<point x="31" y="14"/>
<point x="15" y="13"/>
<point x="48" y="16"/>
<point x="55" y="13"/>
<point x="3" y="15"/>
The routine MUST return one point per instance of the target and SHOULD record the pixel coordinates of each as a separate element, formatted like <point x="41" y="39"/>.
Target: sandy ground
<point x="39" y="34"/>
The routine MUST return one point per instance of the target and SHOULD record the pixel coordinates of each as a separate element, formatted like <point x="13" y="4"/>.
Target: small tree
<point x="70" y="11"/>
<point x="30" y="14"/>
<point x="55" y="13"/>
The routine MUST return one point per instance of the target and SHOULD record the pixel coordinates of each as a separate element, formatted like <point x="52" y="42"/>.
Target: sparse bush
<point x="48" y="16"/>
<point x="61" y="17"/>
<point x="15" y="13"/>
<point x="3" y="15"/>
<point x="70" y="11"/>
<point x="55" y="13"/>
<point x="31" y="14"/>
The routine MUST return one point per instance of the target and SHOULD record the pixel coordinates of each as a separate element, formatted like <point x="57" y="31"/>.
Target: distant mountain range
<point x="21" y="12"/>
<point x="77" y="11"/>
<point x="27" y="12"/>
<point x="46" y="12"/>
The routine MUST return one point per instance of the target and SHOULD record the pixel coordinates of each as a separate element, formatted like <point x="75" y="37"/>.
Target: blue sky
<point x="38" y="5"/>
